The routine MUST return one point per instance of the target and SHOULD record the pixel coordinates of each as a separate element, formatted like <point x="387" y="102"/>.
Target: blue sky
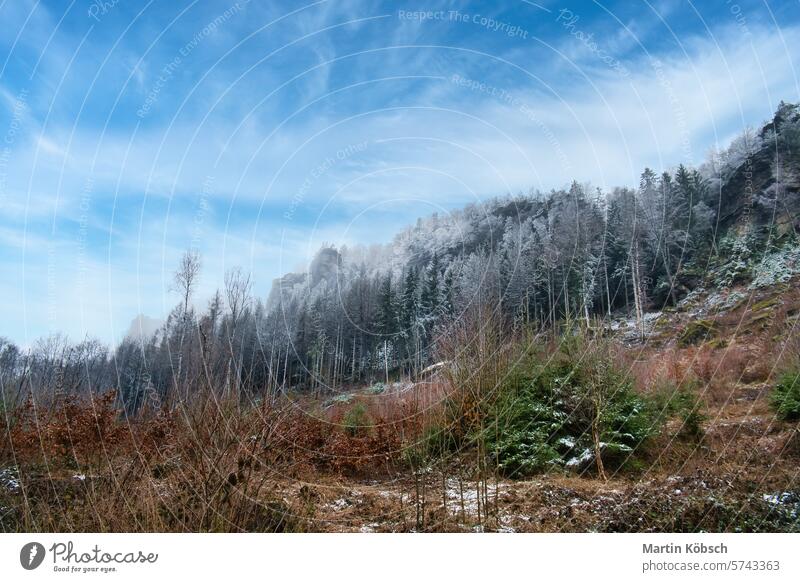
<point x="255" y="131"/>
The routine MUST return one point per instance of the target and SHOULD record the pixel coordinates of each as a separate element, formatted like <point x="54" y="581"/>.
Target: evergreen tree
<point x="429" y="300"/>
<point x="387" y="308"/>
<point x="409" y="310"/>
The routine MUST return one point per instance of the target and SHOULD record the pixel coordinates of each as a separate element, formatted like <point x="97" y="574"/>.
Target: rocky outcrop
<point x="282" y="286"/>
<point x="325" y="266"/>
<point x="765" y="189"/>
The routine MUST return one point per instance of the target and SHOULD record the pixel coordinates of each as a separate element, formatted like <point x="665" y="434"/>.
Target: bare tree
<point x="238" y="286"/>
<point x="186" y="277"/>
<point x="184" y="283"/>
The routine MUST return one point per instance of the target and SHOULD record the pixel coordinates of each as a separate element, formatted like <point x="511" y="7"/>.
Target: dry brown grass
<point x="208" y="467"/>
<point x="299" y="466"/>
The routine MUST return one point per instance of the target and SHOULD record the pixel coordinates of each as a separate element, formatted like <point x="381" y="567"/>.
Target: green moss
<point x="768" y="303"/>
<point x="696" y="332"/>
<point x="760" y="320"/>
<point x="662" y="323"/>
<point x="718" y="343"/>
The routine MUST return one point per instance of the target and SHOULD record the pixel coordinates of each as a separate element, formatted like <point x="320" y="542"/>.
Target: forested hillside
<point x="545" y="258"/>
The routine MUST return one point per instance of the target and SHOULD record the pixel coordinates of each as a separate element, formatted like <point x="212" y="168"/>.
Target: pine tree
<point x="387" y="309"/>
<point x="409" y="310"/>
<point x="448" y="290"/>
<point x="429" y="300"/>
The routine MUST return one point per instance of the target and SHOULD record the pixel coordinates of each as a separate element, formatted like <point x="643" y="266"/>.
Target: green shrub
<point x="356" y="420"/>
<point x="786" y="396"/>
<point x="693" y="419"/>
<point x="545" y="418"/>
<point x="669" y="401"/>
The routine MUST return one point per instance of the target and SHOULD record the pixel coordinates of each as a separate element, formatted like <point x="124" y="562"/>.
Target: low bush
<point x="559" y="412"/>
<point x="693" y="418"/>
<point x="670" y="401"/>
<point x="785" y="397"/>
<point x="356" y="420"/>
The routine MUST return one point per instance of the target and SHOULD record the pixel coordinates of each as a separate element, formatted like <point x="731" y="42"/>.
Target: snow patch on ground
<point x="9" y="480"/>
<point x="630" y="326"/>
<point x="339" y="504"/>
<point x="785" y="502"/>
<point x="470" y="495"/>
<point x="400" y="387"/>
<point x="344" y="502"/>
<point x="779" y="498"/>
